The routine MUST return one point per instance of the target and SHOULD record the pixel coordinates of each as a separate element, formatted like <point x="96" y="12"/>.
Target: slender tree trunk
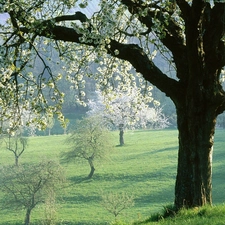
<point x="16" y="160"/>
<point x="196" y="127"/>
<point x="121" y="126"/>
<point x="90" y="160"/>
<point x="27" y="217"/>
<point x="121" y="138"/>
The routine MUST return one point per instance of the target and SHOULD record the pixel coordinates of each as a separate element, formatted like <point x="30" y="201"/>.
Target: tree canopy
<point x="90" y="140"/>
<point x="127" y="108"/>
<point x="122" y="37"/>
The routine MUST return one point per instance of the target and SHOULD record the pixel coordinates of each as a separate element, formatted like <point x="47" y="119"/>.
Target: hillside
<point x="144" y="168"/>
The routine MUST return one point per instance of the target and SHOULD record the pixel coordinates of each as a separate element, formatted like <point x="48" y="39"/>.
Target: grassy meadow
<point x="145" y="167"/>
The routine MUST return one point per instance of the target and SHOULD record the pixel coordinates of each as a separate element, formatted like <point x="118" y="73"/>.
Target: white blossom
<point x="127" y="108"/>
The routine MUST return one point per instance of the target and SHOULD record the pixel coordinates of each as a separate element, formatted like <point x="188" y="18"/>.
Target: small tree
<point x="50" y="124"/>
<point x="91" y="140"/>
<point x="29" y="185"/>
<point x="15" y="144"/>
<point x="50" y="210"/>
<point x="115" y="203"/>
<point x="66" y="125"/>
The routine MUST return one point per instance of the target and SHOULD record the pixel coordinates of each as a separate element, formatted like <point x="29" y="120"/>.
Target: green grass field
<point x="145" y="168"/>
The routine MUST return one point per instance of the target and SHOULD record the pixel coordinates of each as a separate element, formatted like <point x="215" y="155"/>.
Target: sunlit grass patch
<point x="145" y="167"/>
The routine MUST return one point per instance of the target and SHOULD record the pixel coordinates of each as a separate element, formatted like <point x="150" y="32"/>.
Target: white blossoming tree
<point x="127" y="109"/>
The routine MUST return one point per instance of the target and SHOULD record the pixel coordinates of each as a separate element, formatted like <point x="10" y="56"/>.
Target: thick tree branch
<point x="174" y="41"/>
<point x="185" y="8"/>
<point x="77" y="16"/>
<point x="56" y="32"/>
<point x="137" y="57"/>
<point x="197" y="9"/>
<point x="214" y="46"/>
<point x="129" y="52"/>
<point x="172" y="37"/>
<point x="136" y="8"/>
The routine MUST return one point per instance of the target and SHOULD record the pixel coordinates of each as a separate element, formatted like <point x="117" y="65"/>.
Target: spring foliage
<point x="25" y="43"/>
<point x="90" y="140"/>
<point x="127" y="108"/>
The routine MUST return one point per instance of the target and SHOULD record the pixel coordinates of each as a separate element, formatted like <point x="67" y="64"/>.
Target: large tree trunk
<point x="197" y="109"/>
<point x="194" y="173"/>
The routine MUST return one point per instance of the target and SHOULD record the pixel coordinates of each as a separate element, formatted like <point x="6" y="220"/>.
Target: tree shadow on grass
<point x="128" y="178"/>
<point x="59" y="223"/>
<point x="164" y="150"/>
<point x="13" y="223"/>
<point x="78" y="223"/>
<point x="80" y="179"/>
<point x="81" y="199"/>
<point x="162" y="197"/>
<point x="65" y="222"/>
<point x="112" y="177"/>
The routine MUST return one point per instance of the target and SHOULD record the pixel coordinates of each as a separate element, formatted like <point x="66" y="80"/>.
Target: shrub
<point x="115" y="203"/>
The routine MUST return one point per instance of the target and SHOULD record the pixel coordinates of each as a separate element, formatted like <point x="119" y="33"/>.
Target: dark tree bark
<point x="203" y="100"/>
<point x="121" y="137"/>
<point x="27" y="217"/>
<point x="121" y="126"/>
<point x="16" y="160"/>
<point x="196" y="125"/>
